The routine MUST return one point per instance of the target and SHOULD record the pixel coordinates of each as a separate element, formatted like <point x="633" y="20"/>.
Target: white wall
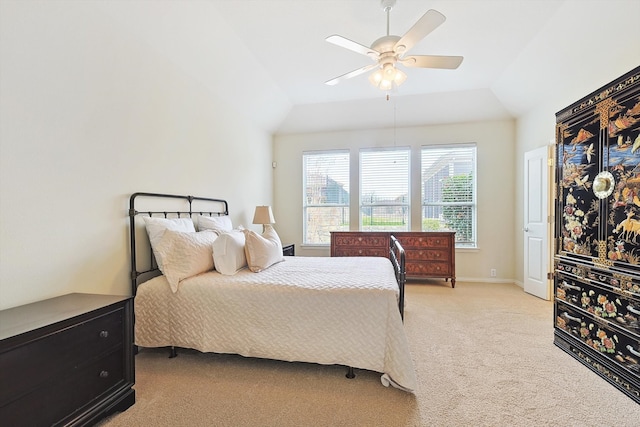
<point x="496" y="185"/>
<point x="91" y="113"/>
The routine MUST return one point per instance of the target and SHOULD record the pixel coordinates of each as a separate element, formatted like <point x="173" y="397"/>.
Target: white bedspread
<point x="309" y="309"/>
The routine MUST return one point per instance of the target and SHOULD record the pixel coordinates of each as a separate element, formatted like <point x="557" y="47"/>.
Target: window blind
<point x="384" y="189"/>
<point x="326" y="194"/>
<point x="449" y="191"/>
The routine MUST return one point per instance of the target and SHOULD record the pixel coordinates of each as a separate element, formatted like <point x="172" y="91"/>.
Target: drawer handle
<point x="565" y="285"/>
<point x="360" y="251"/>
<point x="104" y="374"/>
<point x="568" y="317"/>
<point x="104" y="334"/>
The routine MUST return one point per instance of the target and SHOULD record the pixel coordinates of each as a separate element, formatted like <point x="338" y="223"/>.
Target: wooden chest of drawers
<point x="67" y="360"/>
<point x="428" y="254"/>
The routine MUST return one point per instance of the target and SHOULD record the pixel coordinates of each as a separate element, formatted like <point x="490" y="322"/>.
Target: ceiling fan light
<point x="386" y="85"/>
<point x="386" y="77"/>
<point x="400" y="77"/>
<point x="376" y="77"/>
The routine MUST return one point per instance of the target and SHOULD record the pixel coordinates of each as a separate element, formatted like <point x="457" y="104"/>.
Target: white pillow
<point x="228" y="252"/>
<point x="218" y="224"/>
<point x="262" y="251"/>
<point x="185" y="254"/>
<point x="157" y="226"/>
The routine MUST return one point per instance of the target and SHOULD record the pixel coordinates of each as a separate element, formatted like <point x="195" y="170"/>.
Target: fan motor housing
<point x="385" y="44"/>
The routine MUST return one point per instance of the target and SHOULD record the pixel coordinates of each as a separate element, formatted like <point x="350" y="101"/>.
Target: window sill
<point x="467" y="249"/>
<point x="316" y="246"/>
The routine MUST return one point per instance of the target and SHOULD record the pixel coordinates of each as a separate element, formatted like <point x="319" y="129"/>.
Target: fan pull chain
<point x="394" y="123"/>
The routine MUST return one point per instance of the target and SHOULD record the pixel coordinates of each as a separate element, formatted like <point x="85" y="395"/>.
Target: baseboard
<point x="411" y="280"/>
<point x="487" y="280"/>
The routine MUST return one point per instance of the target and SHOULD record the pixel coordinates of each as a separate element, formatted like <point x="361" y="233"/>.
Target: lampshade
<point x="385" y="77"/>
<point x="263" y="215"/>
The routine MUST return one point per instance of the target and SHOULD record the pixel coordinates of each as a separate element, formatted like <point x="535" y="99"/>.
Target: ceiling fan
<point x="390" y="50"/>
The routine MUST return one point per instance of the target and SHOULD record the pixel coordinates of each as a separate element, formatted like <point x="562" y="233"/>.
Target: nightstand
<point x="289" y="250"/>
<point x="66" y="360"/>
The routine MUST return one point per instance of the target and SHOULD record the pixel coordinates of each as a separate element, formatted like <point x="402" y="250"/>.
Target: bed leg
<point x="350" y="373"/>
<point x="173" y="353"/>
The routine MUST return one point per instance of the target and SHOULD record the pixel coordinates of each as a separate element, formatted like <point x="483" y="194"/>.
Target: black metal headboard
<point x="167" y="206"/>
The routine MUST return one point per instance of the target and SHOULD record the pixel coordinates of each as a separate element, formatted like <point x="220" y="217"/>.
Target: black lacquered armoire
<point x="597" y="232"/>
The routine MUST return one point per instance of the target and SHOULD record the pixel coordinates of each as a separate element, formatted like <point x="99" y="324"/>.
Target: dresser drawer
<point x="620" y="283"/>
<point x="63" y="395"/>
<point x="363" y="251"/>
<point x="433" y="269"/>
<point x="362" y="240"/>
<point x="29" y="365"/>
<point x="427" y="254"/>
<point x="600" y="302"/>
<point x="408" y="241"/>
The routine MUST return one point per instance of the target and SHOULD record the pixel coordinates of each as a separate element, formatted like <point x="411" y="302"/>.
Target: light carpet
<point x="483" y="353"/>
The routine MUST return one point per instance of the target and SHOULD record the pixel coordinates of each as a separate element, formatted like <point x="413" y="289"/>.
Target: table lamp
<point x="263" y="215"/>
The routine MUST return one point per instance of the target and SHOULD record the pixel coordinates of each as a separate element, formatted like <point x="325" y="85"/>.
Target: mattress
<point x="305" y="309"/>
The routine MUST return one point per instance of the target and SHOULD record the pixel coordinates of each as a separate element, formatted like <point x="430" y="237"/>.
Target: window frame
<point x="305" y="203"/>
<point x="406" y="206"/>
<point x="472" y="243"/>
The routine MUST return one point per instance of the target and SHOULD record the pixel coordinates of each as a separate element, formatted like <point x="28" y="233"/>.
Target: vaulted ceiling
<point x="272" y="55"/>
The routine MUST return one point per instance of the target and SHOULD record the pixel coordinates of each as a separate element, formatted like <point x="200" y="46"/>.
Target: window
<point x="449" y="191"/>
<point x="326" y="194"/>
<point x="384" y="189"/>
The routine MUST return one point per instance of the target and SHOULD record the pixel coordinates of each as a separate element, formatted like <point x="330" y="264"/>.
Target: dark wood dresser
<point x="428" y="254"/>
<point x="66" y="360"/>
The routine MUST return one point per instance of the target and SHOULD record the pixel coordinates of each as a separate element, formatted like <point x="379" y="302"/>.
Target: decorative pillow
<point x="157" y="226"/>
<point x="218" y="224"/>
<point x="185" y="254"/>
<point x="262" y="251"/>
<point x="228" y="252"/>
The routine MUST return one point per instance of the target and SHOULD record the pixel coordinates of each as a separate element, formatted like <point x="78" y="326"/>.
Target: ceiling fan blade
<point x="350" y="74"/>
<point x="426" y="24"/>
<point x="353" y="46"/>
<point x="432" y="61"/>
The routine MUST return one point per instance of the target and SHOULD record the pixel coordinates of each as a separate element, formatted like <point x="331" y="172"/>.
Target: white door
<point x="536" y="240"/>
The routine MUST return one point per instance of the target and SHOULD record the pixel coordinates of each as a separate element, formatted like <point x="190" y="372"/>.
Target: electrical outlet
<point x="493" y="272"/>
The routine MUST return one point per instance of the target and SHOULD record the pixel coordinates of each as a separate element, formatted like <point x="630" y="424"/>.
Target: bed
<point x="335" y="311"/>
